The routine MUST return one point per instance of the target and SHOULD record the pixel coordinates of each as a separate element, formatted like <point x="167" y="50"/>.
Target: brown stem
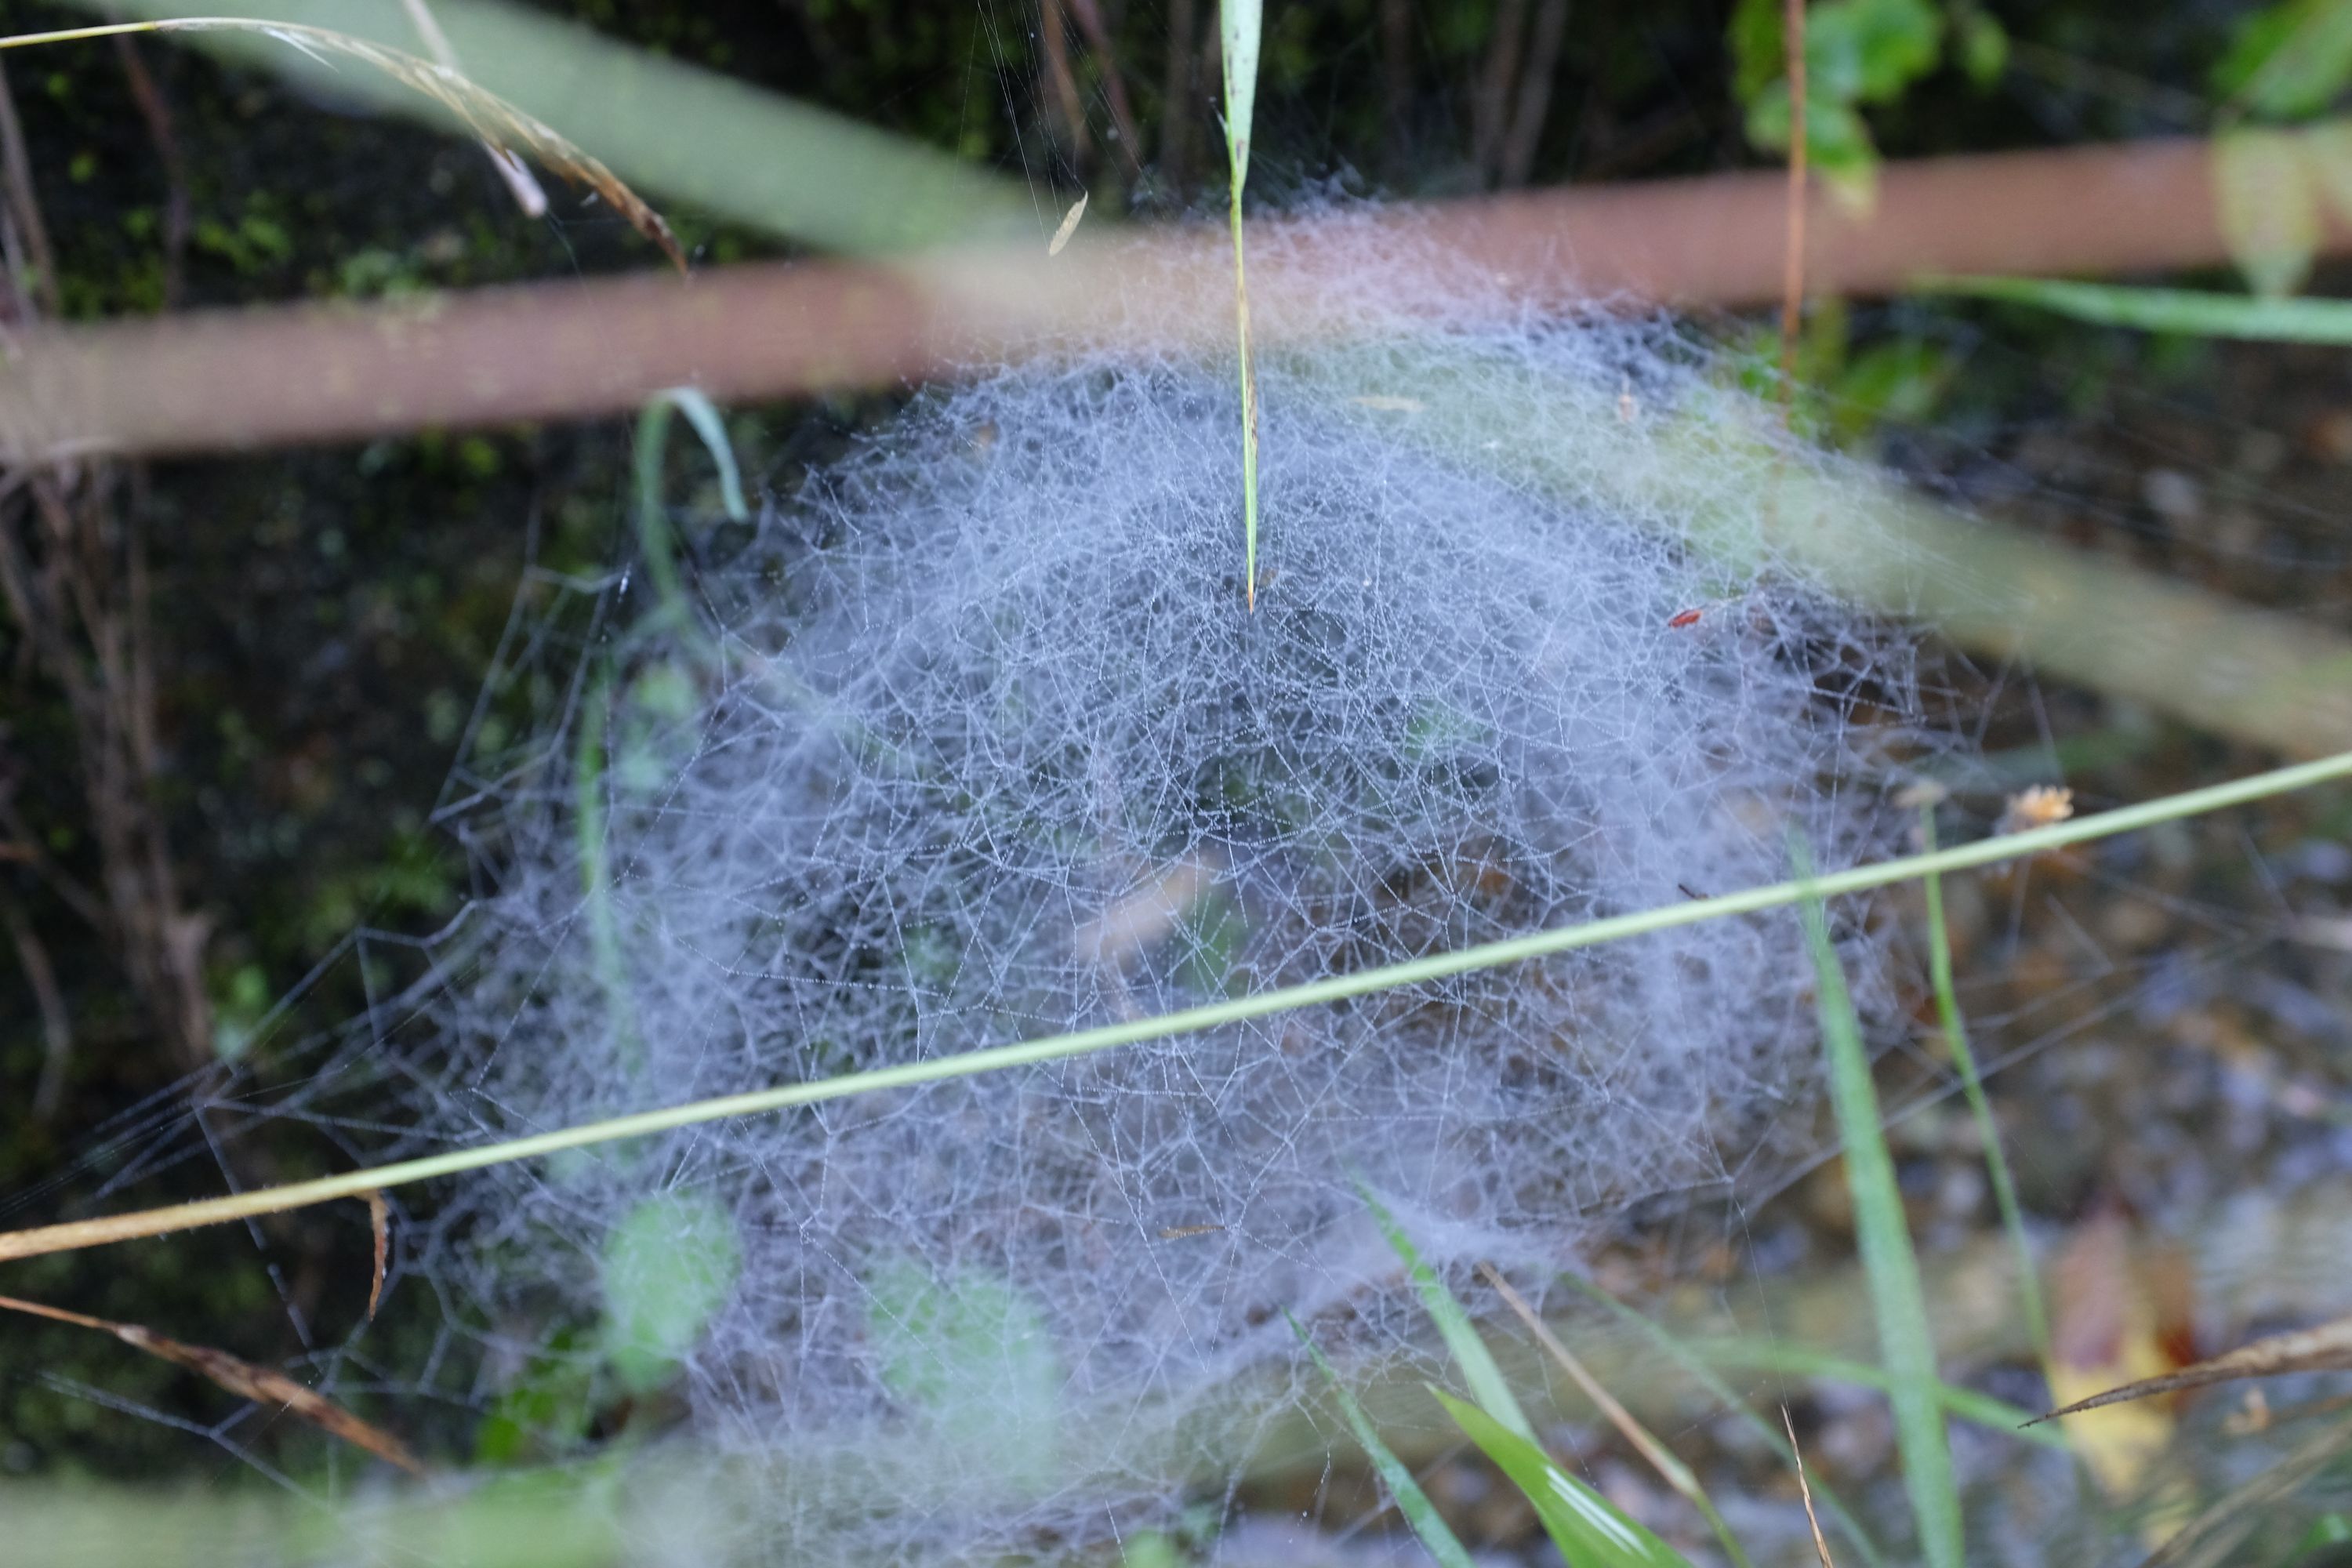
<point x="177" y="211"/>
<point x="1176" y="111"/>
<point x="1535" y="93"/>
<point x="1062" y="82"/>
<point x="56" y="1026"/>
<point x="1089" y="15"/>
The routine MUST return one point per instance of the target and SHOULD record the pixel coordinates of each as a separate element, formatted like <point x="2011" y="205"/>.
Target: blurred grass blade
<point x="1688" y="1359"/>
<point x="1240" y="20"/>
<point x="1800" y="1361"/>
<point x="1411" y="1500"/>
<point x="703" y="414"/>
<point x="1589" y="1531"/>
<point x="1955" y="1040"/>
<point x="2214" y="1537"/>
<point x="2191" y="311"/>
<point x="1661" y="1458"/>
<point x="1906" y="1345"/>
<point x="1483" y="1378"/>
<point x="2328" y="1348"/>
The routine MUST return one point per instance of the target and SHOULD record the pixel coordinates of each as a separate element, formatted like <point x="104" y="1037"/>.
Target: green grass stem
<point x="78" y="1233"/>
<point x="1411" y="1500"/>
<point x="1955" y="1040"/>
<point x="1906" y="1344"/>
<point x="2191" y="312"/>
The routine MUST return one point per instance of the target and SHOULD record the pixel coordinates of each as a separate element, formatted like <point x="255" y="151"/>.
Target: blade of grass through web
<point x="1484" y="1379"/>
<point x="1803" y="1361"/>
<point x="1906" y="1345"/>
<point x="2192" y="312"/>
<point x="1411" y="1500"/>
<point x="1589" y="1531"/>
<point x="1240" y="21"/>
<point x="74" y="1234"/>
<point x="1709" y="1379"/>
<point x="1955" y="1040"/>
<point x="1669" y="1467"/>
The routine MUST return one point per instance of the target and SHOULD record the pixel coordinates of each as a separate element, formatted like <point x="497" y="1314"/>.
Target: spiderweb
<point x="972" y="741"/>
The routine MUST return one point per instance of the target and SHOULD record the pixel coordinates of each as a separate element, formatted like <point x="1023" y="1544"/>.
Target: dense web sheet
<point x="973" y="742"/>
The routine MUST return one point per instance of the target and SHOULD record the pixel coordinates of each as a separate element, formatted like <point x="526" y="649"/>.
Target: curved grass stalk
<point x="498" y="124"/>
<point x="76" y="1235"/>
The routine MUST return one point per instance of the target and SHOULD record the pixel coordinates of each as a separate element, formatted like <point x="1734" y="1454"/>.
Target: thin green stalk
<point x="2192" y="312"/>
<point x="79" y="1234"/>
<point x="1411" y="1500"/>
<point x="1802" y="1361"/>
<point x="1240" y="20"/>
<point x="1955" y="1038"/>
<point x="1906" y="1345"/>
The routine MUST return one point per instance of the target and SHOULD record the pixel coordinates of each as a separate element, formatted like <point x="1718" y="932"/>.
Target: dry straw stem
<point x="1659" y="1458"/>
<point x="677" y="133"/>
<point x="241" y="1378"/>
<point x="499" y="125"/>
<point x="77" y="1235"/>
<point x="2328" y="1348"/>
<point x="1805" y="1491"/>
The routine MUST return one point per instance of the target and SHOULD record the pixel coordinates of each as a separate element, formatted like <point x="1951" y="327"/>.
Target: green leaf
<point x="2290" y="60"/>
<point x="1906" y="1345"/>
<point x="2268" y="207"/>
<point x="974" y="1357"/>
<point x="669" y="1265"/>
<point x="1983" y="45"/>
<point x="1837" y="142"/>
<point x="1486" y="1380"/>
<point x="1411" y="1500"/>
<point x="1868" y="51"/>
<point x="1589" y="1531"/>
<point x="1758" y="55"/>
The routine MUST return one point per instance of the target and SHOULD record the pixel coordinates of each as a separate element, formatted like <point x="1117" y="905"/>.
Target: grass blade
<point x="1589" y="1531"/>
<point x="1708" y="1378"/>
<point x="1661" y="1458"/>
<point x="2194" y="312"/>
<point x="1955" y="1040"/>
<point x="73" y="1236"/>
<point x="1240" y="20"/>
<point x="1905" y="1343"/>
<point x="1486" y="1380"/>
<point x="1411" y="1500"/>
<point x="495" y="123"/>
<point x="1800" y="1361"/>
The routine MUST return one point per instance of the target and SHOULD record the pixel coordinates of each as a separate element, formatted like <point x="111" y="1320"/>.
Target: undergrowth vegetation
<point x="1138" y="943"/>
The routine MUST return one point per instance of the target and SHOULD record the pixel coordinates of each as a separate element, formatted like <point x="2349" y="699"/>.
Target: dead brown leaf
<point x="241" y="1378"/>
